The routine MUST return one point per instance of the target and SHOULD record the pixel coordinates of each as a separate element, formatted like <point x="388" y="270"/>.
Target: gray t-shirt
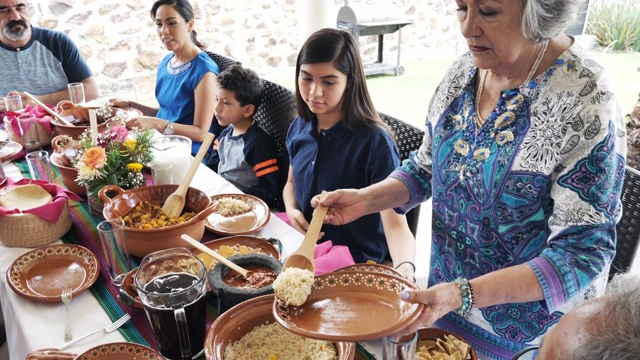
<point x="46" y="64"/>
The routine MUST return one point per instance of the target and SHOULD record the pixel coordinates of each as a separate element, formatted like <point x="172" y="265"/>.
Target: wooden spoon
<point x="303" y="257"/>
<point x="175" y="202"/>
<point x="58" y="117"/>
<point x="231" y="265"/>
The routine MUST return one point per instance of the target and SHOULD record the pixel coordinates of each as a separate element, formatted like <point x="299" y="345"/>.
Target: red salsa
<point x="259" y="277"/>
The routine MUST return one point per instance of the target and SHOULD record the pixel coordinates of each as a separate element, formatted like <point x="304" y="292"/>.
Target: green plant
<point x="615" y="24"/>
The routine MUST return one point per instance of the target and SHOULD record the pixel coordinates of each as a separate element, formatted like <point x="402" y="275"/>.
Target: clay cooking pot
<point x="143" y="242"/>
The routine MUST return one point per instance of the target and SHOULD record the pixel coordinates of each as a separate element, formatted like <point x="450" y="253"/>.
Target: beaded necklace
<point x="483" y="75"/>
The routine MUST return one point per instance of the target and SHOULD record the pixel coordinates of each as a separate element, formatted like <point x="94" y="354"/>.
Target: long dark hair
<point x="184" y="8"/>
<point x="340" y="49"/>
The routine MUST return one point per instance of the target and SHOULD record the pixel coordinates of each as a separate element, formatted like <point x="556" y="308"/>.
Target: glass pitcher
<point x="174" y="150"/>
<point x="171" y="284"/>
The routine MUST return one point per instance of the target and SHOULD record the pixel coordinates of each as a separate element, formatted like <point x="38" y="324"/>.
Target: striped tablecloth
<point x="137" y="330"/>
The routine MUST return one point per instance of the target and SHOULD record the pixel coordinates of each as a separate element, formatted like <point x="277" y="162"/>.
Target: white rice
<point x="273" y="342"/>
<point x="230" y="206"/>
<point x="293" y="286"/>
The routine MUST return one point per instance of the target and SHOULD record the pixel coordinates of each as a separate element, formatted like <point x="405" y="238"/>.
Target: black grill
<point x="365" y="20"/>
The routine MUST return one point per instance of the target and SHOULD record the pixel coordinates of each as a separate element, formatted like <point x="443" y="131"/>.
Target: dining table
<point x="33" y="325"/>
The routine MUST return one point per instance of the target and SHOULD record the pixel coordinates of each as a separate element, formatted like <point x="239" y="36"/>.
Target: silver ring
<point x="46" y="352"/>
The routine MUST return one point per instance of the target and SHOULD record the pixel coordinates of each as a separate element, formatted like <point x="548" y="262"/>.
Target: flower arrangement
<point x="115" y="156"/>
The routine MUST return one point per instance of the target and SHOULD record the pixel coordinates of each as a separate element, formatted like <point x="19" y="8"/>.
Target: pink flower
<point x="119" y="133"/>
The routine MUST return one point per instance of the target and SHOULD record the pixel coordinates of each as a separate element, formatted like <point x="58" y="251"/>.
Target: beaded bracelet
<point x="407" y="262"/>
<point x="467" y="297"/>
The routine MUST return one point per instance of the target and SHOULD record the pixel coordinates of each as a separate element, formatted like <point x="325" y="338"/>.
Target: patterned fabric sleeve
<point x="588" y="181"/>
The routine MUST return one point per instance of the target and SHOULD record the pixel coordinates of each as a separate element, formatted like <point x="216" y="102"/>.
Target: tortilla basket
<point x="30" y="231"/>
<point x="44" y="136"/>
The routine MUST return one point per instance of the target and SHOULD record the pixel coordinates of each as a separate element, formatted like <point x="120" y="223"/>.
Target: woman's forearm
<point x="387" y="194"/>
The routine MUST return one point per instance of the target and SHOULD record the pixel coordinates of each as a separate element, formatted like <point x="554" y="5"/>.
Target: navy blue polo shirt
<point x="339" y="158"/>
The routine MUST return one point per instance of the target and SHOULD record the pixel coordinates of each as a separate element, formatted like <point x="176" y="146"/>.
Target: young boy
<point x="244" y="153"/>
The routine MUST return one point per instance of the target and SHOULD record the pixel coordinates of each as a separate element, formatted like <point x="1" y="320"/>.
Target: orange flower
<point x="94" y="157"/>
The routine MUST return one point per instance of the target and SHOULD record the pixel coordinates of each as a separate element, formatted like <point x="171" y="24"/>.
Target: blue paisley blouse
<point x="539" y="184"/>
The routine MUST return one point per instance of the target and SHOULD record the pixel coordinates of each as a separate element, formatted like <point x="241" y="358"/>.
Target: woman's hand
<point x="439" y="300"/>
<point x="119" y="103"/>
<point x="345" y="205"/>
<point x="145" y="123"/>
<point x="50" y="354"/>
<point x="298" y="222"/>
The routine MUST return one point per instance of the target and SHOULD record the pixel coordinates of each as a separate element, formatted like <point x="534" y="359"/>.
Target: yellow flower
<point x="131" y="144"/>
<point x="137" y="167"/>
<point x="462" y="147"/>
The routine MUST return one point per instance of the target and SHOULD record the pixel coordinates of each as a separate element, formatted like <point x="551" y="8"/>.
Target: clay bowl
<point x="434" y="333"/>
<point x="242" y="318"/>
<point x="67" y="108"/>
<point x="229" y="296"/>
<point x="374" y="268"/>
<point x="252" y="242"/>
<point x="143" y="242"/>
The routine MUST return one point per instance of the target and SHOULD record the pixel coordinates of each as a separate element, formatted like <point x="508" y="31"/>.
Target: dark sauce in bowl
<point x="259" y="277"/>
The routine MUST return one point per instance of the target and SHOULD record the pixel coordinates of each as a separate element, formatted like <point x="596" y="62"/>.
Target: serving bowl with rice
<point x="231" y="332"/>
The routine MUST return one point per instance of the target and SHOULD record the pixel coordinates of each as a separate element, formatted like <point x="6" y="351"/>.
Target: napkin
<point x="329" y="257"/>
<point x="51" y="211"/>
<point x="41" y="115"/>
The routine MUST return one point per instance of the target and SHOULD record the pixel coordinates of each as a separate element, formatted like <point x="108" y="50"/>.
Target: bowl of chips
<point x="439" y="344"/>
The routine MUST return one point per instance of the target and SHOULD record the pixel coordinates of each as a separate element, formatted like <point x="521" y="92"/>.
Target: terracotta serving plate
<point x="120" y="351"/>
<point x="42" y="274"/>
<point x="351" y="306"/>
<point x="374" y="268"/>
<point x="8" y="150"/>
<point x="243" y="224"/>
<point x="242" y="318"/>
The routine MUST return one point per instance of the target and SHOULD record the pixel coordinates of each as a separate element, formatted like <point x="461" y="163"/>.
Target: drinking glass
<point x="171" y="284"/>
<point x="29" y="132"/>
<point x="114" y="245"/>
<point x="13" y="103"/>
<point x="76" y="93"/>
<point x="39" y="166"/>
<point x="162" y="173"/>
<point x="402" y="348"/>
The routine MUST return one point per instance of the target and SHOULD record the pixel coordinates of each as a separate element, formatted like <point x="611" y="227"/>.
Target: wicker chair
<point x="275" y="114"/>
<point x="222" y="61"/>
<point x="408" y="138"/>
<point x="628" y="229"/>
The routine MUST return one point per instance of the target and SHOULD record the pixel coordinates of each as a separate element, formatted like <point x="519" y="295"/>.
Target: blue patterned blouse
<point x="539" y="184"/>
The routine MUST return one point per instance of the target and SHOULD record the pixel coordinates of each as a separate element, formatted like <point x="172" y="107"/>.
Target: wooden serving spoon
<point x="231" y="265"/>
<point x="58" y="117"/>
<point x="302" y="258"/>
<point x="175" y="202"/>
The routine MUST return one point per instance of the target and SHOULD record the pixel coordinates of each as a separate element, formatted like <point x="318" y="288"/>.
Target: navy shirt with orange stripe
<point x="249" y="162"/>
<point x="339" y="158"/>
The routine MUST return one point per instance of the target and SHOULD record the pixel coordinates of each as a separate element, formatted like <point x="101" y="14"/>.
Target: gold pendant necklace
<point x="483" y="75"/>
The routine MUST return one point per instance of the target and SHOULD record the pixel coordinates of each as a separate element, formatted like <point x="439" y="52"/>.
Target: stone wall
<point x="119" y="41"/>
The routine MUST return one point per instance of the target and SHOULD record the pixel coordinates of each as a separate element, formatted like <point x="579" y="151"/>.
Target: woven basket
<point x="44" y="136"/>
<point x="29" y="231"/>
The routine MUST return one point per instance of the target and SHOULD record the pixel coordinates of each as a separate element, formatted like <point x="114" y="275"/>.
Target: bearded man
<point x="36" y="60"/>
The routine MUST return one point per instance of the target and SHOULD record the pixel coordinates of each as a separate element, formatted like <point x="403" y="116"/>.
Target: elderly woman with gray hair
<point x="524" y="158"/>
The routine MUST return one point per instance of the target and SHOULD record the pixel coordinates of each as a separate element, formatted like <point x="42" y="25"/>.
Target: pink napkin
<point x="51" y="211"/>
<point x="329" y="257"/>
<point x="42" y="117"/>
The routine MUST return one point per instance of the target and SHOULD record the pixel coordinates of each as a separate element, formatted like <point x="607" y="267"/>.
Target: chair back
<point x="628" y="228"/>
<point x="222" y="61"/>
<point x="408" y="138"/>
<point x="274" y="115"/>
